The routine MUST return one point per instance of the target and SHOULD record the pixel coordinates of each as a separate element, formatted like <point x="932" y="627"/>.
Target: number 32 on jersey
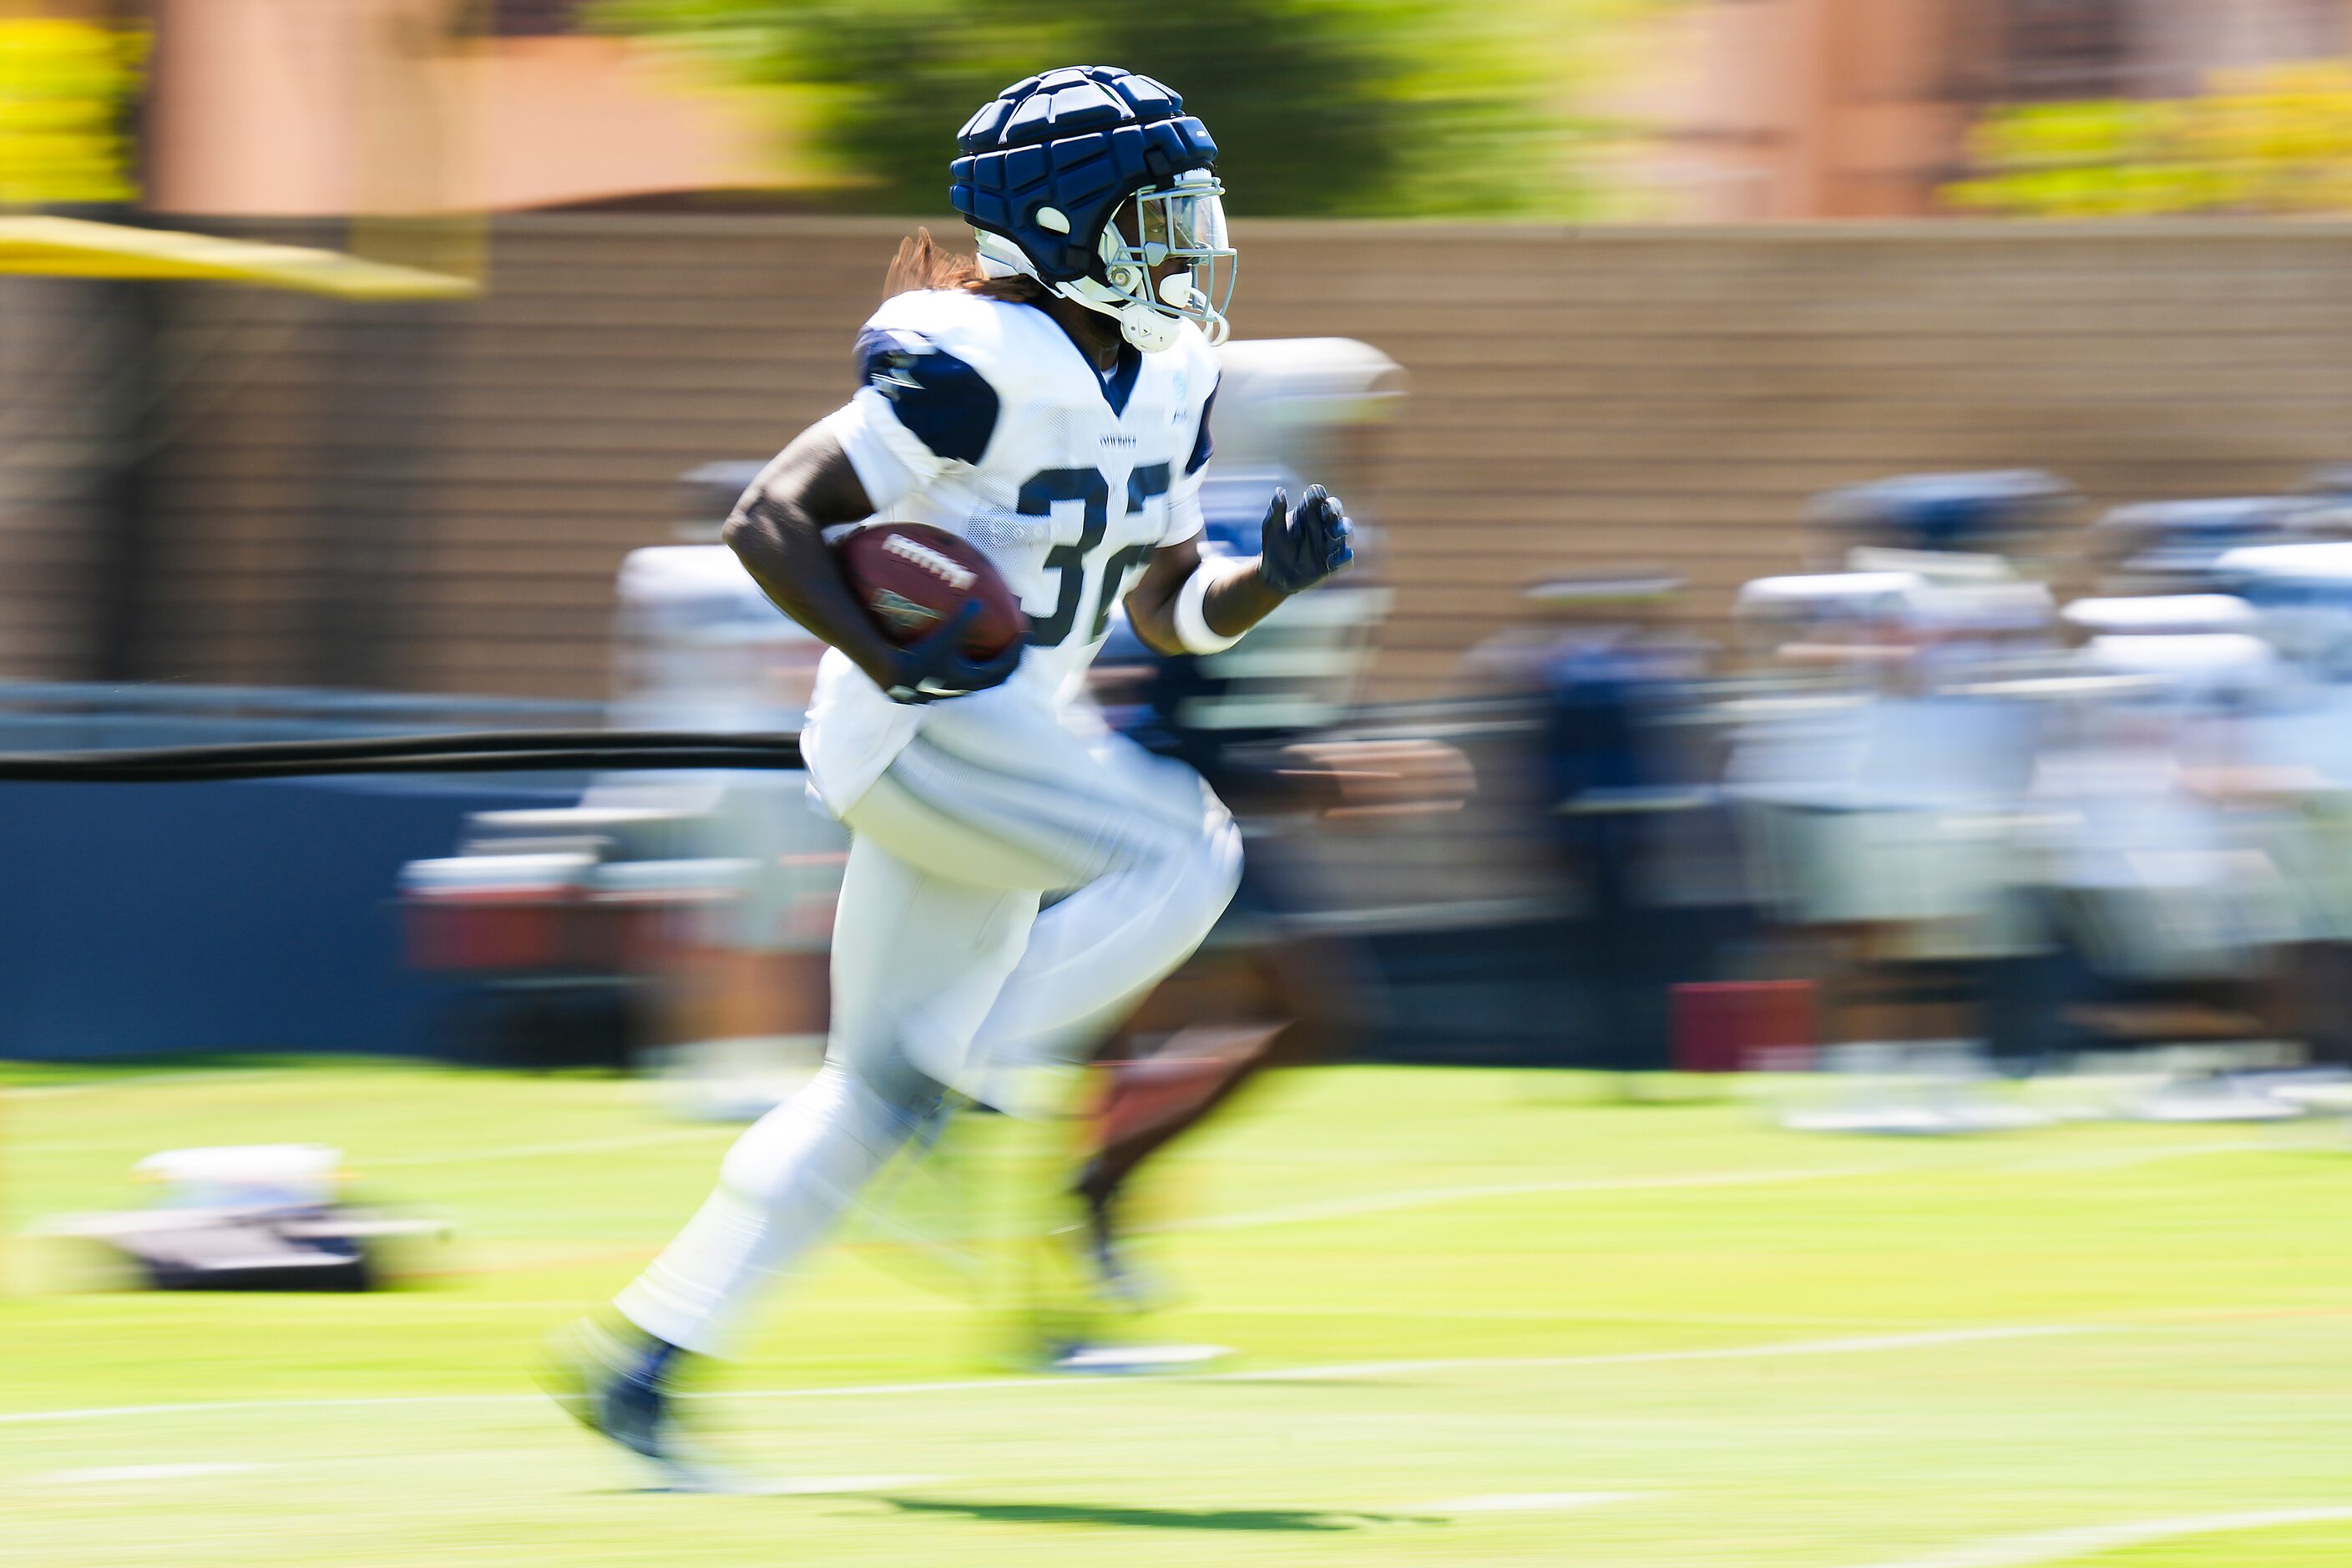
<point x="1085" y="559"/>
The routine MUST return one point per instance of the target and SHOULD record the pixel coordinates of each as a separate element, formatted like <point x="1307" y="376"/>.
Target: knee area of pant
<point x="834" y="1117"/>
<point x="896" y="1086"/>
<point x="1197" y="886"/>
<point x="1215" y="865"/>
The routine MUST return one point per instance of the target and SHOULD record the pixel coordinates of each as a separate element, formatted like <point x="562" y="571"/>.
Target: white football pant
<point x="946" y="975"/>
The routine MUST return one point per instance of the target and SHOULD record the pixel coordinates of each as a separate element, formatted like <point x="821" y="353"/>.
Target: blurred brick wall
<point x="1580" y="400"/>
<point x="56" y="436"/>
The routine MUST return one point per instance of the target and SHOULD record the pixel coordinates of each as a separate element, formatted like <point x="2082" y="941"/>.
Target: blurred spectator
<point x="1879" y="767"/>
<point x="1599" y="674"/>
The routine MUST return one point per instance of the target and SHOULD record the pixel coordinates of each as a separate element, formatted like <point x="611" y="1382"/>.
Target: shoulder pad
<point x="923" y="353"/>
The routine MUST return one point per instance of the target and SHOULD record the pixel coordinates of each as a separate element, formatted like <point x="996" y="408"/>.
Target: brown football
<point x="910" y="577"/>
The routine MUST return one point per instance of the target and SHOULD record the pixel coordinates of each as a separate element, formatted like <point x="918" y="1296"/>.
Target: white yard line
<point x="2058" y="1545"/>
<point x="1294" y="1214"/>
<point x="790" y="1486"/>
<point x="1850" y="1345"/>
<point x="2124" y="1159"/>
<point x="706" y="1132"/>
<point x="1861" y="1345"/>
<point x="1527" y="1503"/>
<point x="1549" y="1315"/>
<point x="133" y="1080"/>
<point x="1354" y="1205"/>
<point x="1431" y="1198"/>
<point x="106" y="1474"/>
<point x="826" y="1486"/>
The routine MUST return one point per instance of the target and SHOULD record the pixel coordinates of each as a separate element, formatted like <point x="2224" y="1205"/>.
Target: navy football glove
<point x="938" y="667"/>
<point x="1304" y="546"/>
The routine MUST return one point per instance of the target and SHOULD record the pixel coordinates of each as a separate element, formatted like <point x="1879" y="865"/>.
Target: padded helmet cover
<point x="1078" y="141"/>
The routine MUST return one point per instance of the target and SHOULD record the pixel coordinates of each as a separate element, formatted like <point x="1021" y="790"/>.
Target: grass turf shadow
<point x="1127" y="1516"/>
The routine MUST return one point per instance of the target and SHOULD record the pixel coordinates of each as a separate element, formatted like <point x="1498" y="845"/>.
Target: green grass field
<point x="1480" y="1317"/>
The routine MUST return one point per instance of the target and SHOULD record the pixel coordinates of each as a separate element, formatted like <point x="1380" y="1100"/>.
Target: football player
<point x="1049" y="403"/>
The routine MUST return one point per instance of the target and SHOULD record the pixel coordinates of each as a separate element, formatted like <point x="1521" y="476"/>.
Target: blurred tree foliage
<point x="2276" y="140"/>
<point x="1343" y="106"/>
<point x="65" y="89"/>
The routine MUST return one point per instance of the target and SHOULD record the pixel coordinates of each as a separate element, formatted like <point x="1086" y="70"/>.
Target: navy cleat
<point x="617" y="1381"/>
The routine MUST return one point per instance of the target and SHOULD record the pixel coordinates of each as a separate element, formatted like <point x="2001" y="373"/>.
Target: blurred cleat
<point x="1117" y="1274"/>
<point x="1112" y="1361"/>
<point x="615" y="1381"/>
<point x="2215" y="1098"/>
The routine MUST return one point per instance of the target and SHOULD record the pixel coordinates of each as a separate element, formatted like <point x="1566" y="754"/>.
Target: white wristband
<point x="1192" y="627"/>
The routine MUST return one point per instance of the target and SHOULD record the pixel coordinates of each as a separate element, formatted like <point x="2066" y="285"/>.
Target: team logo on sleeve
<point x="890" y="368"/>
<point x="941" y="400"/>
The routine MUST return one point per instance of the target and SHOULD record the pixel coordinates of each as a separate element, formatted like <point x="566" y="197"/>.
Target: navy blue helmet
<point x="1090" y="179"/>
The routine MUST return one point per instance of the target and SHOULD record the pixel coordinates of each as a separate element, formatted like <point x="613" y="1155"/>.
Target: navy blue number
<point x="1036" y="499"/>
<point x="1143" y="486"/>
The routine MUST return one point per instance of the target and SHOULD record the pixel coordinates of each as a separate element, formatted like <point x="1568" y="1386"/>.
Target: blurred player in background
<point x="1050" y="405"/>
<point x="1252" y="723"/>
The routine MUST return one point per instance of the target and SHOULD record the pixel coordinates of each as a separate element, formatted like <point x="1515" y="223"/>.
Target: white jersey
<point x="983" y="418"/>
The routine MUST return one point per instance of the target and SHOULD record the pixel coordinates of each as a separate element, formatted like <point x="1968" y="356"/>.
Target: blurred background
<point x="1857" y="592"/>
<point x="383" y="365"/>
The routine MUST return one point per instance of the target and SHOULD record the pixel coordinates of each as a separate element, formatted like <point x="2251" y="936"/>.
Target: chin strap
<point x="1143" y="326"/>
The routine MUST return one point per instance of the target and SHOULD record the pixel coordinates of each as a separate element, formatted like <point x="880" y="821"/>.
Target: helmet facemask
<point x="1182" y="221"/>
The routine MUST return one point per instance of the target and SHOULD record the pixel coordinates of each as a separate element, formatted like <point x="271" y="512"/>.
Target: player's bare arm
<point x="1301" y="547"/>
<point x="777" y="530"/>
